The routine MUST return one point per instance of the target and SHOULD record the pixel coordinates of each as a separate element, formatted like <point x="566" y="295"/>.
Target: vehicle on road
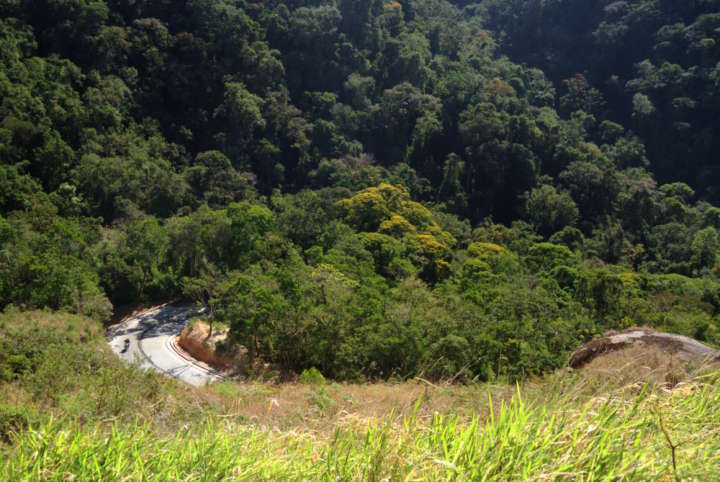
<point x="148" y="340"/>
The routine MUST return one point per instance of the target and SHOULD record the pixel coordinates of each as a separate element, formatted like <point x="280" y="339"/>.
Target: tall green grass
<point x="605" y="438"/>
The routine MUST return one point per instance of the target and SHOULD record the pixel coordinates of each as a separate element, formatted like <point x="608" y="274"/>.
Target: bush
<point x="449" y="358"/>
<point x="13" y="365"/>
<point x="13" y="419"/>
<point x="312" y="377"/>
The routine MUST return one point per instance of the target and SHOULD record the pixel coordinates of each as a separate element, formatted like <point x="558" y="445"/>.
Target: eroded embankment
<point x="194" y="340"/>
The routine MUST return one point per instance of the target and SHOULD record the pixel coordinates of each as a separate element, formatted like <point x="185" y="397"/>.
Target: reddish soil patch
<point x="195" y="341"/>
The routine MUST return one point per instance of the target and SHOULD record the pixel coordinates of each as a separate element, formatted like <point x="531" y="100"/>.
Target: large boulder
<point x="680" y="348"/>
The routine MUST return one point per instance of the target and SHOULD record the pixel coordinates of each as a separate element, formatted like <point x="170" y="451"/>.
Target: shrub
<point x="13" y="419"/>
<point x="448" y="357"/>
<point x="312" y="376"/>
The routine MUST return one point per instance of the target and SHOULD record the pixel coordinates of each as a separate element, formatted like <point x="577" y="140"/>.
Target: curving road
<point x="151" y="335"/>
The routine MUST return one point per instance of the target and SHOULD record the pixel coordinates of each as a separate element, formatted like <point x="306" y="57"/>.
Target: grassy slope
<point x="74" y="410"/>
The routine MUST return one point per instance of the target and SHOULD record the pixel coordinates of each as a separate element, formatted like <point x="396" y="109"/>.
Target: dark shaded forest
<point x="372" y="188"/>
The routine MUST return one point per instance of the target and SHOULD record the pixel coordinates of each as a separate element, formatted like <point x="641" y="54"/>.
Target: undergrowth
<point x="104" y="421"/>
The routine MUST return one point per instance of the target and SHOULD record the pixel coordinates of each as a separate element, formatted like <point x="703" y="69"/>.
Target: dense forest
<point x="372" y="188"/>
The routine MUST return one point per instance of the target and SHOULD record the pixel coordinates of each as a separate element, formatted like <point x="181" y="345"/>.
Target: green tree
<point x="705" y="248"/>
<point x="550" y="211"/>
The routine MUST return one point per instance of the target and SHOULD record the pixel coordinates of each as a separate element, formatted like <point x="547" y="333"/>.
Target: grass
<point x="110" y="422"/>
<point x="614" y="437"/>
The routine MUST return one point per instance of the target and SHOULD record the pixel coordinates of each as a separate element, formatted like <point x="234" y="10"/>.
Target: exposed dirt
<point x="676" y="347"/>
<point x="194" y="341"/>
<point x="232" y="361"/>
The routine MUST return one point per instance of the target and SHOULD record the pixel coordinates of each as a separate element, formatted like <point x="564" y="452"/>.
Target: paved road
<point x="151" y="334"/>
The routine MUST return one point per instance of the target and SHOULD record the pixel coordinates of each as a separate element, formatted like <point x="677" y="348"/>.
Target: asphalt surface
<point x="151" y="335"/>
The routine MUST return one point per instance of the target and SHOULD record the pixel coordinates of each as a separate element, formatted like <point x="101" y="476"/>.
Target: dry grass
<point x="321" y="408"/>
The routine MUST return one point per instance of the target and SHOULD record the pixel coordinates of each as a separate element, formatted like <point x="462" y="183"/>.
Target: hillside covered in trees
<point x="372" y="188"/>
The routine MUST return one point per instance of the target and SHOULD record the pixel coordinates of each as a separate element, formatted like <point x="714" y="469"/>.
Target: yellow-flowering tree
<point x="389" y="210"/>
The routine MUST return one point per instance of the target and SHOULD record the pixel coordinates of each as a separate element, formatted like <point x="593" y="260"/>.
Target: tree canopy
<point x="370" y="188"/>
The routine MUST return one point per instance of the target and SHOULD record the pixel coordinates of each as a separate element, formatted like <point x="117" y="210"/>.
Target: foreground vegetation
<point x="76" y="412"/>
<point x="617" y="436"/>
